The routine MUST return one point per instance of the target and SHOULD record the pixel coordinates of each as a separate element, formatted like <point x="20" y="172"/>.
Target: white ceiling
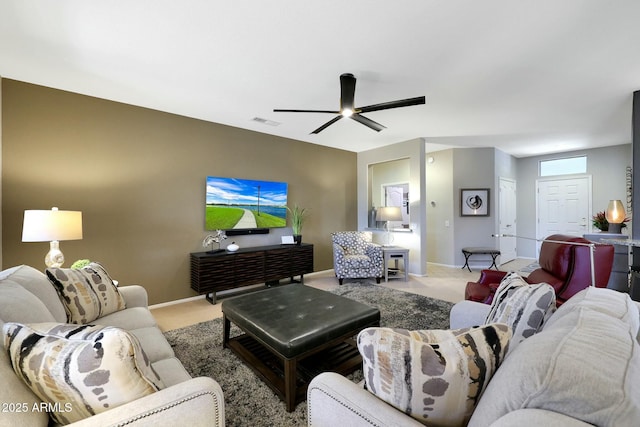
<point x="526" y="77"/>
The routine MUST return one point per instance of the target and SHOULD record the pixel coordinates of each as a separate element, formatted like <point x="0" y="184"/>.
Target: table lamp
<point x="389" y="213"/>
<point x="52" y="226"/>
<point x="615" y="215"/>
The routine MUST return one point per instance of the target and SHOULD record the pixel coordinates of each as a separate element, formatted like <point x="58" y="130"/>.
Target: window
<point x="567" y="166"/>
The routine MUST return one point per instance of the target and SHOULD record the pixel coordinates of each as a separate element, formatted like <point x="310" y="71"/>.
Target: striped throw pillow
<point x="436" y="377"/>
<point x="522" y="306"/>
<point x="80" y="370"/>
<point x="87" y="293"/>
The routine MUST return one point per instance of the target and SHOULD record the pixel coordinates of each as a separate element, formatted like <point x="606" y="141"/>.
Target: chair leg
<point x="378" y="279"/>
<point x="340" y="282"/>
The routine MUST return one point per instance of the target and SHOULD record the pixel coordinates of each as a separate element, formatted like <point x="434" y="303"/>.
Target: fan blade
<point x="326" y="125"/>
<point x="347" y="91"/>
<point x="368" y="122"/>
<point x="305" y="111"/>
<point x="393" y="104"/>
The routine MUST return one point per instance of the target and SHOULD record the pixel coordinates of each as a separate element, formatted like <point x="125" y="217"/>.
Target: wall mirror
<point x="388" y="185"/>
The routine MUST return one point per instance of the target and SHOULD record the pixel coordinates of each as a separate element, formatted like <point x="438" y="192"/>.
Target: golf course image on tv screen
<point x="233" y="203"/>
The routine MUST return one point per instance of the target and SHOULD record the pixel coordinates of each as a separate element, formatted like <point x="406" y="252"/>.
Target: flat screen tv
<point x="245" y="205"/>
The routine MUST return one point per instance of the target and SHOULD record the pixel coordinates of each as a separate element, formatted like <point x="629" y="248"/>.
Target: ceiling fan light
<point x="347" y="108"/>
<point x="347" y="112"/>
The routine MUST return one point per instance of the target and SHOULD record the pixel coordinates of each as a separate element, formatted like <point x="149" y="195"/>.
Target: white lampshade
<point x="52" y="226"/>
<point x="615" y="213"/>
<point x="46" y="226"/>
<point x="389" y="213"/>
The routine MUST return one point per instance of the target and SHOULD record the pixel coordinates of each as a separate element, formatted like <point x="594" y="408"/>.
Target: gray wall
<point x="473" y="168"/>
<point x="506" y="166"/>
<point x="607" y="166"/>
<point x="452" y="170"/>
<point x="415" y="240"/>
<point x="458" y="168"/>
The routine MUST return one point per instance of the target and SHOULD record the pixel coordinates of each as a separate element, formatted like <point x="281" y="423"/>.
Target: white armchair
<point x="355" y="256"/>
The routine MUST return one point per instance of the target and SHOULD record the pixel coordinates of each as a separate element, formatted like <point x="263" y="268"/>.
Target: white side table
<point x="395" y="253"/>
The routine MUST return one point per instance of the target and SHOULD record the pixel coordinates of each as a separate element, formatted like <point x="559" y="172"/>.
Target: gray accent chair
<point x="355" y="256"/>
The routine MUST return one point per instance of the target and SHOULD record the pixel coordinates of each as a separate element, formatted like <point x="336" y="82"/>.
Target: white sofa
<point x="27" y="296"/>
<point x="581" y="369"/>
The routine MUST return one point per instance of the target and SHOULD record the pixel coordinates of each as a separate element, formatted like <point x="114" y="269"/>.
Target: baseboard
<point x="443" y="265"/>
<point x="316" y="273"/>
<point x="178" y="301"/>
<point x="475" y="265"/>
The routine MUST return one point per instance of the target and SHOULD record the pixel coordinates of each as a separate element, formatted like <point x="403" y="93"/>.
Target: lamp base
<point x="389" y="236"/>
<point x="615" y="228"/>
<point x="54" y="257"/>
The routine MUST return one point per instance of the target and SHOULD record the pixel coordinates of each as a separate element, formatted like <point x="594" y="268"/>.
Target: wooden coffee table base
<point x="289" y="377"/>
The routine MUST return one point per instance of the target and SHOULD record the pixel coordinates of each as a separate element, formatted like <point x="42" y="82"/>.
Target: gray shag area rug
<point x="250" y="402"/>
<point x="529" y="268"/>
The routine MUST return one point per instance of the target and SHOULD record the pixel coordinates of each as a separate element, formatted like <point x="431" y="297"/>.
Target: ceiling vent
<point x="266" y="122"/>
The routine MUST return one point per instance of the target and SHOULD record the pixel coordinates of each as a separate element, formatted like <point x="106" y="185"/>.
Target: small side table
<point x="467" y="252"/>
<point x="395" y="253"/>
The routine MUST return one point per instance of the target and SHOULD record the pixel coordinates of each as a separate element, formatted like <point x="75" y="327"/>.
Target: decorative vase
<point x="298" y="239"/>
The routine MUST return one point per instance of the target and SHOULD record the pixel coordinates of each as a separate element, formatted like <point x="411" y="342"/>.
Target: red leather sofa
<point x="565" y="267"/>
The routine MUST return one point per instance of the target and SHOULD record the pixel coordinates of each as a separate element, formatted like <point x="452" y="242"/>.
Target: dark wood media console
<point x="211" y="273"/>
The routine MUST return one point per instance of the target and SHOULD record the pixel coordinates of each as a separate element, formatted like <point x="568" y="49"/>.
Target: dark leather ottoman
<point x="294" y="332"/>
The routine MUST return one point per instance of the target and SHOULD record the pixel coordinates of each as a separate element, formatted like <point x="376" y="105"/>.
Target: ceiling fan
<point x="347" y="94"/>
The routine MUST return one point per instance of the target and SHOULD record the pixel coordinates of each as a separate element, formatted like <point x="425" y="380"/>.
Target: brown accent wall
<point x="138" y="176"/>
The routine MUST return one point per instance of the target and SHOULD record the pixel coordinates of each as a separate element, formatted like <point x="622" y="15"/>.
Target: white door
<point x="507" y="206"/>
<point x="564" y="206"/>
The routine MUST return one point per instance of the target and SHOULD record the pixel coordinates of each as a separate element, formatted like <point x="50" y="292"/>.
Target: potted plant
<point x="298" y="215"/>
